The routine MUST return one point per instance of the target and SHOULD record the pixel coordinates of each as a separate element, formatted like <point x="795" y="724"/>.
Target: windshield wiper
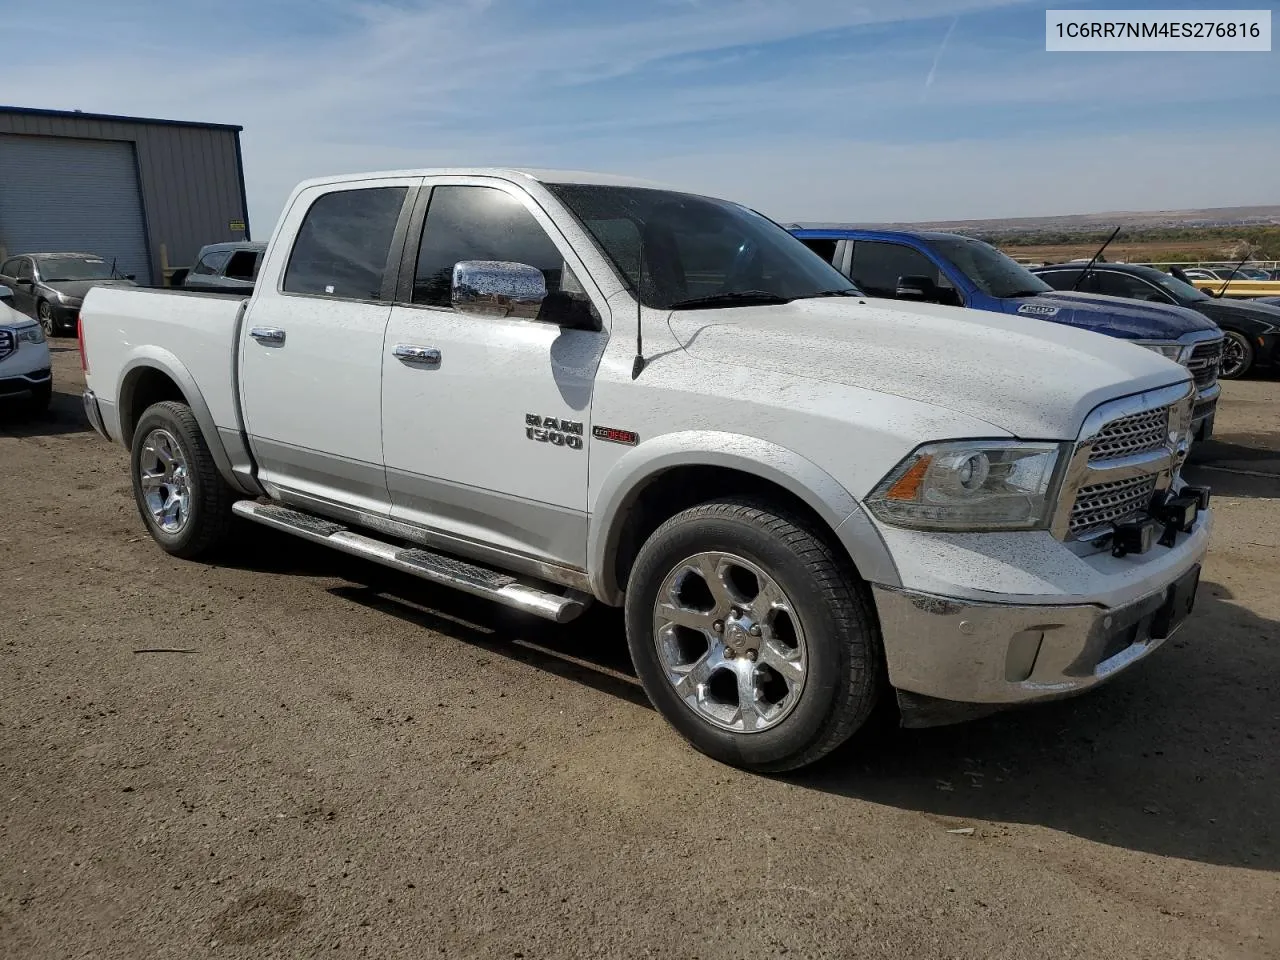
<point x="847" y="292"/>
<point x="741" y="298"/>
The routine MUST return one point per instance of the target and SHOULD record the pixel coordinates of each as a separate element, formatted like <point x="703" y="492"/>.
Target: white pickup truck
<point x="548" y="388"/>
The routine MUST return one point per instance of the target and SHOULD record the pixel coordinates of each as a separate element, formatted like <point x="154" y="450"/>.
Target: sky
<point x="809" y="110"/>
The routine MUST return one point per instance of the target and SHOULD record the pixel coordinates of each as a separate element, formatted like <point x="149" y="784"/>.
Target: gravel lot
<point x="348" y="763"/>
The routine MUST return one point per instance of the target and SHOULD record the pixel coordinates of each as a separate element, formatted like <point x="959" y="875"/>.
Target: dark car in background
<point x="51" y="286"/>
<point x="224" y="266"/>
<point x="1251" y="327"/>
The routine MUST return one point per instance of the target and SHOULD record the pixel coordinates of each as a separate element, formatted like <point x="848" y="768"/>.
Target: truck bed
<point x="121" y="328"/>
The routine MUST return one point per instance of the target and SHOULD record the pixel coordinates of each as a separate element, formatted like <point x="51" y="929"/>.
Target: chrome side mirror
<point x="498" y="288"/>
<point x="6" y="296"/>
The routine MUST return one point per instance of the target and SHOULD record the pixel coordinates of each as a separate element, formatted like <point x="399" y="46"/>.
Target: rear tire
<point x="799" y="608"/>
<point x="181" y="497"/>
<point x="1237" y="355"/>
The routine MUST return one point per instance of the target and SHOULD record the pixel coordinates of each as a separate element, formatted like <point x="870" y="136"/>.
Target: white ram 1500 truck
<point x="547" y="388"/>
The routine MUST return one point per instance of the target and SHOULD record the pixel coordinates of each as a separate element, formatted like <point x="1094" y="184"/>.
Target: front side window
<point x="697" y="252"/>
<point x="483" y="223"/>
<point x="878" y="265"/>
<point x="1060" y="279"/>
<point x="1131" y="288"/>
<point x="211" y="263"/>
<point x="823" y="247"/>
<point x="342" y="246"/>
<point x="991" y="271"/>
<point x="25" y="270"/>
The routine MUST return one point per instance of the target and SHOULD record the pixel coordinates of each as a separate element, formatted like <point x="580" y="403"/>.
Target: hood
<point x="10" y="317"/>
<point x="76" y="289"/>
<point x="1033" y="379"/>
<point x="1253" y="309"/>
<point x="1114" y="316"/>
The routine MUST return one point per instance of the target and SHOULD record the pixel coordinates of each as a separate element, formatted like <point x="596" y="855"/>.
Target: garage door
<point x="64" y="195"/>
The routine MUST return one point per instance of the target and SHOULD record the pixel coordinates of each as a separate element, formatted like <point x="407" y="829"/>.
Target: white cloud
<point x="674" y="87"/>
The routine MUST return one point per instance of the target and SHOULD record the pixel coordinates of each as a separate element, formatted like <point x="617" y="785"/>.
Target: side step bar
<point x="434" y="567"/>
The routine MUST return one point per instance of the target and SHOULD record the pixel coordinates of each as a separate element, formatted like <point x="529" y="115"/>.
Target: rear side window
<point x="343" y="244"/>
<point x="877" y="266"/>
<point x="243" y="265"/>
<point x="211" y="263"/>
<point x="10" y="268"/>
<point x="481" y="223"/>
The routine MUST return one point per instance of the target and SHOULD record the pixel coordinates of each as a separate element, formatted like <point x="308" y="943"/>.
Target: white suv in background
<point x="25" y="368"/>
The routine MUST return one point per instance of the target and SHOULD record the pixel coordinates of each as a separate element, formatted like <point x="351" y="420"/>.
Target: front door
<point x="485" y="434"/>
<point x="311" y="346"/>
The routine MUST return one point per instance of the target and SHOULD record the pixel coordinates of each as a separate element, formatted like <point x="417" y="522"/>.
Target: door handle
<point x="423" y="356"/>
<point x="272" y="336"/>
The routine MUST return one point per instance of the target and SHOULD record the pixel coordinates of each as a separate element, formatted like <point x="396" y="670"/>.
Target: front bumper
<point x="25" y="384"/>
<point x="65" y="315"/>
<point x="961" y="646"/>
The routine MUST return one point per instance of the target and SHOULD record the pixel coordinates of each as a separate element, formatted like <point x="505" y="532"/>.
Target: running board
<point x="425" y="564"/>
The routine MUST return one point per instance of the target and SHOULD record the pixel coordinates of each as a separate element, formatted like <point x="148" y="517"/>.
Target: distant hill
<point x="1212" y="217"/>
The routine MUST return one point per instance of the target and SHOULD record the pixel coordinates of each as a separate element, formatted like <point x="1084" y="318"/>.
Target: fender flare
<point x="151" y="357"/>
<point x="640" y="466"/>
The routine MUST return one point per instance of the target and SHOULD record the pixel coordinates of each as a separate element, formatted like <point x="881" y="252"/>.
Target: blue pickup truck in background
<point x="951" y="269"/>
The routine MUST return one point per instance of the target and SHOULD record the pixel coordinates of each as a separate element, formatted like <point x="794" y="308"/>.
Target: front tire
<point x="44" y="313"/>
<point x="1237" y="355"/>
<point x="182" y="498"/>
<point x="751" y="636"/>
<point x="41" y="397"/>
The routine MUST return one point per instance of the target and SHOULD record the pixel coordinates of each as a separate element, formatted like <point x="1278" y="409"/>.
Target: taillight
<point x="84" y="357"/>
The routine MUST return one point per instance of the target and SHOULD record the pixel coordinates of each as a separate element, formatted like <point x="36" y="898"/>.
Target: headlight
<point x="1172" y="351"/>
<point x="971" y="485"/>
<point x="34" y="334"/>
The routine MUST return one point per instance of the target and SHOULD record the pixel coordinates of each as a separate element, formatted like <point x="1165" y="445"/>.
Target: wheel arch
<point x="670" y="473"/>
<point x="154" y="374"/>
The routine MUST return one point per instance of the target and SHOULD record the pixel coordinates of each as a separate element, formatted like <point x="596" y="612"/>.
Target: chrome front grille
<point x="1124" y="459"/>
<point x="7" y="343"/>
<point x="1204" y="362"/>
<point x="1112" y="502"/>
<point x="1139" y="433"/>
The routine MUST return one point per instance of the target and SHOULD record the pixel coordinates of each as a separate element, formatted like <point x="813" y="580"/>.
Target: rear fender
<point x="151" y="357"/>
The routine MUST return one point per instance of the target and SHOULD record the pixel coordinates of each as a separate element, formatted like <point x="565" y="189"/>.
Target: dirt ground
<point x="347" y="763"/>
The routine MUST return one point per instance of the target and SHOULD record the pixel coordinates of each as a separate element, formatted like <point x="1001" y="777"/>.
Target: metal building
<point x="147" y="194"/>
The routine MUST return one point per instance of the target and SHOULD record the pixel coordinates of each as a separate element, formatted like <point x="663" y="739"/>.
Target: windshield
<point x="698" y="252"/>
<point x="74" y="268"/>
<point x="1184" y="292"/>
<point x="990" y="270"/>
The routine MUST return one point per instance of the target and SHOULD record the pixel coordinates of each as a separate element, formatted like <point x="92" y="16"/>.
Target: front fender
<point x="640" y="466"/>
<point x="151" y="357"/>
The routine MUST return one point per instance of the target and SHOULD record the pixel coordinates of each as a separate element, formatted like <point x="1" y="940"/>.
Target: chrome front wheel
<point x="1237" y="355"/>
<point x="165" y="480"/>
<point x="730" y="642"/>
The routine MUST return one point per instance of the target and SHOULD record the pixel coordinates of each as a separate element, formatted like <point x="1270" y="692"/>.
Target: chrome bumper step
<point x="425" y="564"/>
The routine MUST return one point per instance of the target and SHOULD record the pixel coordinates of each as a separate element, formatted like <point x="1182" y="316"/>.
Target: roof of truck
<point x="504" y="173"/>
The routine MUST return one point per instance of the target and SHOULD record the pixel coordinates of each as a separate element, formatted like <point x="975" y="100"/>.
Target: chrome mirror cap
<point x="498" y="288"/>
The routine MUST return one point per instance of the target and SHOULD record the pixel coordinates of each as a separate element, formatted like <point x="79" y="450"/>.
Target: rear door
<point x="311" y="347"/>
<point x="487" y="445"/>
